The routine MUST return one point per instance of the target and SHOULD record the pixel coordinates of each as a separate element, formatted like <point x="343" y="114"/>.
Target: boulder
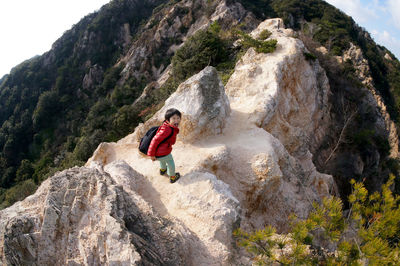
<point x="283" y="92"/>
<point x="203" y="103"/>
<point x="81" y="216"/>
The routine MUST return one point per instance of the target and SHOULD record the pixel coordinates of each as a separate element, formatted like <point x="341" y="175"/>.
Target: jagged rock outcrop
<point x="170" y="27"/>
<point x="205" y="108"/>
<point x="285" y="94"/>
<point x="93" y="78"/>
<point x="269" y="176"/>
<point x="204" y="104"/>
<point x="388" y="57"/>
<point x="84" y="216"/>
<point x="243" y="162"/>
<point x="200" y="208"/>
<point x="384" y="124"/>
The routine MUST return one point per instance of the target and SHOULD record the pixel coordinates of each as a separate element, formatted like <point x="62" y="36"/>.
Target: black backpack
<point x="146" y="140"/>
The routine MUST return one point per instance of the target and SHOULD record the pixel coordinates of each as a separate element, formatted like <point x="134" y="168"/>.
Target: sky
<point x="29" y="28"/>
<point x="381" y="18"/>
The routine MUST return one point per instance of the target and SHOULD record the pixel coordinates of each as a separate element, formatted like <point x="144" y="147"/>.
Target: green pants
<point x="167" y="162"/>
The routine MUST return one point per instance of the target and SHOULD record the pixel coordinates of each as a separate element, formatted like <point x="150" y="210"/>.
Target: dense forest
<point x="51" y="121"/>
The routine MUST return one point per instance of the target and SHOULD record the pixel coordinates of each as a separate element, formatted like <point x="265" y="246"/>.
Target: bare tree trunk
<point x="330" y="40"/>
<point x="341" y="136"/>
<point x="348" y="117"/>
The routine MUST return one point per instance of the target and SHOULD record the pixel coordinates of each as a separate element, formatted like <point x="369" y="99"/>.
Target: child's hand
<point x="153" y="158"/>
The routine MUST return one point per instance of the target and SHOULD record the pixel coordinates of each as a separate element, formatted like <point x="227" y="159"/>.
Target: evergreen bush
<point x="366" y="233"/>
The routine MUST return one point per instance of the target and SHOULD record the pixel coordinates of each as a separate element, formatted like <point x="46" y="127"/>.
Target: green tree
<point x="260" y="46"/>
<point x="18" y="192"/>
<point x="45" y="110"/>
<point x="202" y="49"/>
<point x="367" y="233"/>
<point x="25" y="171"/>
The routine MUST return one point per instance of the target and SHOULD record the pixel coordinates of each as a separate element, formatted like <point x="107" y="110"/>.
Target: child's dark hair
<point x="171" y="112"/>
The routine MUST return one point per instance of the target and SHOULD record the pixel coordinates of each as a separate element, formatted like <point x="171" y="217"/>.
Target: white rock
<point x="247" y="161"/>
<point x="262" y="151"/>
<point x="203" y="103"/>
<point x="282" y="92"/>
<point x="206" y="205"/>
<point x="388" y="57"/>
<point x="287" y="96"/>
<point x="80" y="216"/>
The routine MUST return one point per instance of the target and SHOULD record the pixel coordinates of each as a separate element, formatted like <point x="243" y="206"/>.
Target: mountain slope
<point x="45" y="100"/>
<point x="262" y="168"/>
<point x="76" y="104"/>
<point x="58" y="107"/>
<point x="233" y="173"/>
<point x="289" y="127"/>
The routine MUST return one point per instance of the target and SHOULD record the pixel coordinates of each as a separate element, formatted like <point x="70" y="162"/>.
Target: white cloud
<point x="394" y="9"/>
<point x="384" y="15"/>
<point x="29" y="28"/>
<point x="360" y="12"/>
<point x="386" y="39"/>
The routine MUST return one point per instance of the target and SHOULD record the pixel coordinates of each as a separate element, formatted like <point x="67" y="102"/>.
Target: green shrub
<point x="202" y="49"/>
<point x="264" y="35"/>
<point x="25" y="171"/>
<point x="46" y="109"/>
<point x="87" y="144"/>
<point x="226" y="69"/>
<point x="260" y="46"/>
<point x="42" y="167"/>
<point x="363" y="138"/>
<point x="383" y="145"/>
<point x="7" y="176"/>
<point x="128" y="92"/>
<point x="18" y="192"/>
<point x="225" y="72"/>
<point x="125" y="120"/>
<point x="394" y="166"/>
<point x="368" y="233"/>
<point x="309" y="56"/>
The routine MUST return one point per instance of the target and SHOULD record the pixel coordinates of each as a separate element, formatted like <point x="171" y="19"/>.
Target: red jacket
<point x="165" y="148"/>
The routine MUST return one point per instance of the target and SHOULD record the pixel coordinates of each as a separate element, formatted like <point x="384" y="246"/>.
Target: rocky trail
<point x="261" y="181"/>
<point x="244" y="153"/>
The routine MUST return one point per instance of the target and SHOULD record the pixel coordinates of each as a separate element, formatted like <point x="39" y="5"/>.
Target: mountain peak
<point x="273" y="119"/>
<point x="232" y="170"/>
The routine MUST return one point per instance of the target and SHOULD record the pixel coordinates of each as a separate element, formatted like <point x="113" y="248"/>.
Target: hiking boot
<point x="173" y="179"/>
<point x="163" y="171"/>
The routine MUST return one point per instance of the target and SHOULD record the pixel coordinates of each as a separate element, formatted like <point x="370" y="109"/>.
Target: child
<point x="161" y="150"/>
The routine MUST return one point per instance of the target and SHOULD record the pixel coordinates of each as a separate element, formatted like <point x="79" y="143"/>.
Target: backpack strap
<point x="170" y="135"/>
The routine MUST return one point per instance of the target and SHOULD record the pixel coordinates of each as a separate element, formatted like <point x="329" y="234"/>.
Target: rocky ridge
<point x="244" y="153"/>
<point x="384" y="121"/>
<point x="234" y="172"/>
<point x="177" y="22"/>
<point x="83" y="216"/>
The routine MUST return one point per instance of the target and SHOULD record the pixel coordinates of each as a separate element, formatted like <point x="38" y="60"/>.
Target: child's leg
<point x="170" y="165"/>
<point x="169" y="160"/>
<point x="163" y="164"/>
